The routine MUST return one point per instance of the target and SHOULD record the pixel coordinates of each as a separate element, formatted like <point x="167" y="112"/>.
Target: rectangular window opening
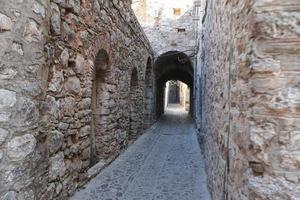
<point x="177" y="11"/>
<point x="180" y="30"/>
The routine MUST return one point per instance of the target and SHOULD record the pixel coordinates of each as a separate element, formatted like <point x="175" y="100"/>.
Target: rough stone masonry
<point x="66" y="71"/>
<point x="248" y="75"/>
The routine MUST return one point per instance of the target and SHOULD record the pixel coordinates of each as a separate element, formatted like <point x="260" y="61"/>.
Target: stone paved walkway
<point x="165" y="163"/>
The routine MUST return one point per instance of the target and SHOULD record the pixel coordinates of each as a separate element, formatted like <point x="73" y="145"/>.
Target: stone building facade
<point x="169" y="26"/>
<point x="248" y="83"/>
<point x="169" y="22"/>
<point x="73" y="76"/>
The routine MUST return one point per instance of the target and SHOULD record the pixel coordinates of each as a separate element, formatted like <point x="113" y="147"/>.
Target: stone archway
<point x="172" y="65"/>
<point x="133" y="106"/>
<point x="148" y="95"/>
<point x="98" y="125"/>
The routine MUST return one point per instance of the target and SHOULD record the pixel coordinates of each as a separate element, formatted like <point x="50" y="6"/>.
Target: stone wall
<point x="249" y="88"/>
<point x="66" y="69"/>
<point x="274" y="149"/>
<point x="215" y="61"/>
<point x="23" y="78"/>
<point x="184" y="96"/>
<point x="165" y="30"/>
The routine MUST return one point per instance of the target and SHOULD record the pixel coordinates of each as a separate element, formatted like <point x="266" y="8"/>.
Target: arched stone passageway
<point x="98" y="104"/>
<point x="172" y="65"/>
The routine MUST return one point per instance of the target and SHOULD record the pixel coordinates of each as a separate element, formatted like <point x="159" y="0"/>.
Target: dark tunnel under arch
<point x="172" y="65"/>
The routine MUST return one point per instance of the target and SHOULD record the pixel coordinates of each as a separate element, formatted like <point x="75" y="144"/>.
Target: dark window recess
<point x="180" y="30"/>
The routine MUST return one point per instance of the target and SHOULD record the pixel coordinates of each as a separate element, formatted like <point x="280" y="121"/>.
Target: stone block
<point x="32" y="32"/>
<point x="72" y="85"/>
<point x="74" y="5"/>
<point x="295" y="140"/>
<point x="55" y="141"/>
<point x="17" y="47"/>
<point x="84" y="131"/>
<point x="86" y="154"/>
<point x="5" y="23"/>
<point x="55" y="19"/>
<point x="79" y="64"/>
<point x="57" y="166"/>
<point x="63" y="126"/>
<point x="26" y="194"/>
<point x="39" y="9"/>
<point x="11" y="195"/>
<point x="85" y="103"/>
<point x="20" y="147"/>
<point x="57" y="80"/>
<point x="1" y="155"/>
<point x="26" y="113"/>
<point x="64" y="57"/>
<point x="50" y="106"/>
<point x="289" y="160"/>
<point x="67" y="106"/>
<point x="93" y="171"/>
<point x="7" y="74"/>
<point x="5" y="116"/>
<point x="3" y="135"/>
<point x="7" y="98"/>
<point x="269" y="188"/>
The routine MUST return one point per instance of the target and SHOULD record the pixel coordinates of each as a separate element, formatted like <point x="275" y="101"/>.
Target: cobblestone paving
<point x="165" y="163"/>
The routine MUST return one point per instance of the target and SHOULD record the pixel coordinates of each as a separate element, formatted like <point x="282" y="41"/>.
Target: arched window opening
<point x="100" y="71"/>
<point x="134" y="78"/>
<point x="101" y="65"/>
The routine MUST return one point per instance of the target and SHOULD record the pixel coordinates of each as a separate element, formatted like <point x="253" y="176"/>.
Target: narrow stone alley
<point x="88" y="90"/>
<point x="165" y="163"/>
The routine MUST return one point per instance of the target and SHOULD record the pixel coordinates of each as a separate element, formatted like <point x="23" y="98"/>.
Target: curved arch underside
<point x="174" y="65"/>
<point x="179" y="75"/>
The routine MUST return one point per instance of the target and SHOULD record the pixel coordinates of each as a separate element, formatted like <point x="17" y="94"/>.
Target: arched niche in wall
<point x="148" y="95"/>
<point x="98" y="125"/>
<point x="133" y="106"/>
